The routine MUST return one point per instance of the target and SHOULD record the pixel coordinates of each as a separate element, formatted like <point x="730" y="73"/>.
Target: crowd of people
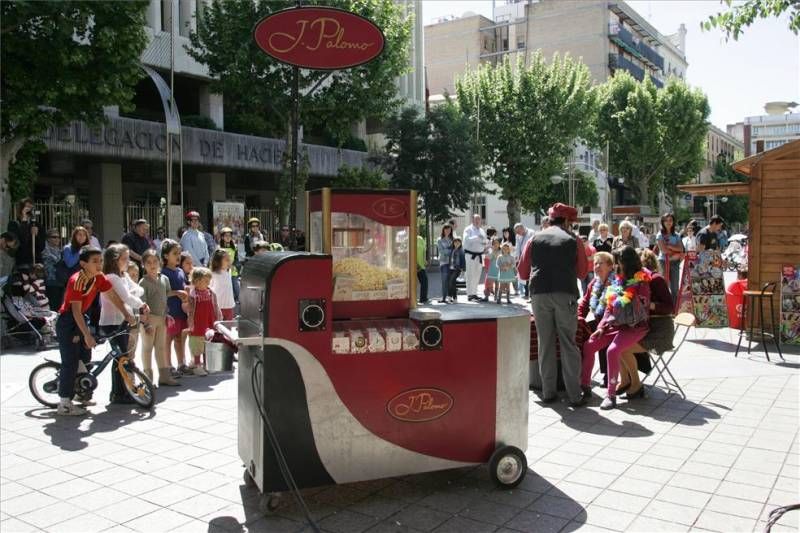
<point x="177" y="288"/>
<point x="629" y="285"/>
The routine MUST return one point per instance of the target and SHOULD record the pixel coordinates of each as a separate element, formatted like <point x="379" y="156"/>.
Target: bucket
<point x="219" y="357"/>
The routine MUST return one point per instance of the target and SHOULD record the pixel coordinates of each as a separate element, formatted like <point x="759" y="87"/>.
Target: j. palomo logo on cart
<point x="420" y="405"/>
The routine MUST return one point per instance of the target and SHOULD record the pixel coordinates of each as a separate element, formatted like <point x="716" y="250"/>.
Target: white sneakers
<point x="199" y="371"/>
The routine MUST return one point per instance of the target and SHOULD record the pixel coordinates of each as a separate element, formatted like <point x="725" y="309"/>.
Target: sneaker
<point x="84" y="402"/>
<point x="174" y="373"/>
<point x="200" y="371"/>
<point x="184" y="370"/>
<point x="609" y="402"/>
<point x="70" y="409"/>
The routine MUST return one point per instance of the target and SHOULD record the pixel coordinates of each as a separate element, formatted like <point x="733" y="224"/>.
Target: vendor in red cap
<point x="193" y="240"/>
<point x="555" y="261"/>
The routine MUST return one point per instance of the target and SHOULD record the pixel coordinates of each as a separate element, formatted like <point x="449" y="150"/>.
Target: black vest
<point x="553" y="253"/>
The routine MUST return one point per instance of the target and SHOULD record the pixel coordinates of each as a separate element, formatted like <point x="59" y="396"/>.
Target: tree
<point x="435" y="155"/>
<point x="63" y="61"/>
<point x="585" y="191"/>
<point x="737" y="18"/>
<point x="527" y="117"/>
<point x="256" y="87"/>
<point x="736" y="208"/>
<point x="359" y="178"/>
<point x="655" y="136"/>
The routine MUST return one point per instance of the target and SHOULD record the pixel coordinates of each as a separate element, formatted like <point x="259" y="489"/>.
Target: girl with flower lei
<point x="591" y="308"/>
<point x="630" y="282"/>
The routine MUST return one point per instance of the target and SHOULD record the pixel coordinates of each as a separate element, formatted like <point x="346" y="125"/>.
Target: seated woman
<point x="659" y="338"/>
<point x="590" y="311"/>
<point x="625" y="318"/>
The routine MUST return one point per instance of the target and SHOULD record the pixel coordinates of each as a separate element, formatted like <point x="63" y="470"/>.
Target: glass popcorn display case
<point x="368" y="234"/>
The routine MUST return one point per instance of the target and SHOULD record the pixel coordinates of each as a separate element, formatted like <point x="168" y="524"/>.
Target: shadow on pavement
<point x="193" y="383"/>
<point x="463" y="498"/>
<point x="67" y="434"/>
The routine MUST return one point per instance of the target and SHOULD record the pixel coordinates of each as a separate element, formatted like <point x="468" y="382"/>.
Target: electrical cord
<point x="282" y="463"/>
<point x="777" y="513"/>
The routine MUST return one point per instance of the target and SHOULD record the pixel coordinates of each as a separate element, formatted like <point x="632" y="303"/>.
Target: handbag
<point x="632" y="314"/>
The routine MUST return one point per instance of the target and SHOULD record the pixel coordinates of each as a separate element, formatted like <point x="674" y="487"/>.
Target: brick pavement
<point x="719" y="460"/>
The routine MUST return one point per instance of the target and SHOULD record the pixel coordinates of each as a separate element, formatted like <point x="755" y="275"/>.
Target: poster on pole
<point x="702" y="288"/>
<point x="231" y="215"/>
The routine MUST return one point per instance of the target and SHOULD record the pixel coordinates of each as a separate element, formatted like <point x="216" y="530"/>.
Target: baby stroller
<point x="24" y="318"/>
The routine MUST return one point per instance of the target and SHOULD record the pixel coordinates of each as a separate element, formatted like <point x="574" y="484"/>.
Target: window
<point x="479" y="207"/>
<point x="520" y="42"/>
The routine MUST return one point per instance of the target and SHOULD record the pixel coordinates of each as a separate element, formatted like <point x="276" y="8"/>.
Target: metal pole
<point x="295" y="142"/>
<point x="172" y="108"/>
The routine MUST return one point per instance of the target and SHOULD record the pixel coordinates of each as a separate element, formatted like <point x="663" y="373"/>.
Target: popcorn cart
<point x="351" y="379"/>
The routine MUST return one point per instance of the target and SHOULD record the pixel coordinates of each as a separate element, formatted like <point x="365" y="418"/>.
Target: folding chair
<point x="662" y="360"/>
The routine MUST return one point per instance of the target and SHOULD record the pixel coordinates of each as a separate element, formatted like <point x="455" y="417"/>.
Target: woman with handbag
<point x="659" y="336"/>
<point x="625" y="318"/>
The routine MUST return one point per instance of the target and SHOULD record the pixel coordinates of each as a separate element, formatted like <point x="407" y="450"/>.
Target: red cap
<point x="192" y="214"/>
<point x="564" y="211"/>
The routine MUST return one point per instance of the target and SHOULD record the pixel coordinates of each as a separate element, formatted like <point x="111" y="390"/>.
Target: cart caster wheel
<point x="269" y="503"/>
<point x="248" y="479"/>
<point x="508" y="467"/>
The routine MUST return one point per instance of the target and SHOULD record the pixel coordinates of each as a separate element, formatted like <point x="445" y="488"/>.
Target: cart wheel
<point x="248" y="479"/>
<point x="269" y="503"/>
<point x="508" y="467"/>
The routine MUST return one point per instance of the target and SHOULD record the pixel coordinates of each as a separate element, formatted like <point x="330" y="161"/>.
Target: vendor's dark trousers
<point x="452" y="290"/>
<point x="422" y="277"/>
<point x="55" y="294"/>
<point x="119" y="342"/>
<point x="72" y="348"/>
<point x="556" y="315"/>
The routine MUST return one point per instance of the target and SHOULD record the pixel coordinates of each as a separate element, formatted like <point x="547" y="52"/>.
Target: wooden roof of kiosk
<point x="773" y="187"/>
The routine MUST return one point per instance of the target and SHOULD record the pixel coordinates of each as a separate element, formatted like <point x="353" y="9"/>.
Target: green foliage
<point x="65" y="60"/>
<point x="435" y="155"/>
<point x="585" y="193"/>
<point x="527" y="117"/>
<point x="656" y="137"/>
<point x="256" y="87"/>
<point x="198" y="121"/>
<point x="23" y="171"/>
<point x="736" y="209"/>
<point x="738" y="17"/>
<point x="359" y="178"/>
<point x="283" y="196"/>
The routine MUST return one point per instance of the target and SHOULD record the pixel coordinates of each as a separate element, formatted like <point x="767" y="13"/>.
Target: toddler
<point x="222" y="283"/>
<point x="506" y="272"/>
<point x="490" y="286"/>
<point x="203" y="311"/>
<point x="458" y="263"/>
<point x="157" y="289"/>
<point x="176" y="317"/>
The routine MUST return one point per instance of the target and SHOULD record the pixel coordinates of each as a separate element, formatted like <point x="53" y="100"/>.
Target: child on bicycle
<point x="115" y="267"/>
<point x="203" y="311"/>
<point x="176" y="317"/>
<point x="156" y="292"/>
<point x="75" y="341"/>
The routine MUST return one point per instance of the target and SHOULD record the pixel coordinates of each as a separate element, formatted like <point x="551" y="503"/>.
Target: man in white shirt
<point x="524" y="236"/>
<point x="193" y="240"/>
<point x="475" y="244"/>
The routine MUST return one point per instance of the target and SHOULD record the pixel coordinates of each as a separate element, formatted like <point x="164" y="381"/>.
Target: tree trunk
<point x="513" y="209"/>
<point x="643" y="189"/>
<point x="8" y="152"/>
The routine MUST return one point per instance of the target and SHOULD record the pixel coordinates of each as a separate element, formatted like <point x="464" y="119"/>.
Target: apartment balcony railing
<point x="658" y="83"/>
<point x="617" y="62"/>
<point x="624" y="38"/>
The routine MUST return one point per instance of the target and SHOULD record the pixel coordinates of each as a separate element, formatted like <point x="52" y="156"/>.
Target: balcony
<point x="658" y="83"/>
<point x="624" y="39"/>
<point x="617" y="62"/>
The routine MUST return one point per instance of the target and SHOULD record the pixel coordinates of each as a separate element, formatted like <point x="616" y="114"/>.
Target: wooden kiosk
<point x="774" y="191"/>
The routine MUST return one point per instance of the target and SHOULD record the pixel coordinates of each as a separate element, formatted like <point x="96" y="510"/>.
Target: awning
<point x="734" y="188"/>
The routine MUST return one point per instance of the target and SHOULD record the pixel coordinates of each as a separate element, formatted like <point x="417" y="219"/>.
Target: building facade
<point x="607" y="35"/>
<point x="719" y="144"/>
<point x="777" y="127"/>
<point x="117" y="173"/>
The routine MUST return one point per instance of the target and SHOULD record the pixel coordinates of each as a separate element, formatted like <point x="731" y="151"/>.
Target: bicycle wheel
<point x="43" y="383"/>
<point x="137" y="385"/>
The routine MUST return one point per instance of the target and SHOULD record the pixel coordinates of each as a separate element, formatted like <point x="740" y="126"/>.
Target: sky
<point x="738" y="77"/>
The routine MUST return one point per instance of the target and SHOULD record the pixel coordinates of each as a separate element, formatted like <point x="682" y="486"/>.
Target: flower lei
<point x="597" y="303"/>
<point x="621" y="291"/>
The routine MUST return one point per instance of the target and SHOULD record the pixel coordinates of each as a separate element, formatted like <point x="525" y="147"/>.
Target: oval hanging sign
<point x="319" y="38"/>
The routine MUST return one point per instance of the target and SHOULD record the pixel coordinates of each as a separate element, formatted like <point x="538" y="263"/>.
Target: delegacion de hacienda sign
<point x="125" y="138"/>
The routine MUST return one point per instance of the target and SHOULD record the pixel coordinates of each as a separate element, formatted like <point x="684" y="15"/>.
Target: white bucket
<point x="219" y="357"/>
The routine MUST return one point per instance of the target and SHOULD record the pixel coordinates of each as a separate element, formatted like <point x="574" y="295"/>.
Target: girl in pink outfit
<point x="624" y="322"/>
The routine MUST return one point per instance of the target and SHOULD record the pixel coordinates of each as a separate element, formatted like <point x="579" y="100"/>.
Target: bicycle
<point x="43" y="381"/>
